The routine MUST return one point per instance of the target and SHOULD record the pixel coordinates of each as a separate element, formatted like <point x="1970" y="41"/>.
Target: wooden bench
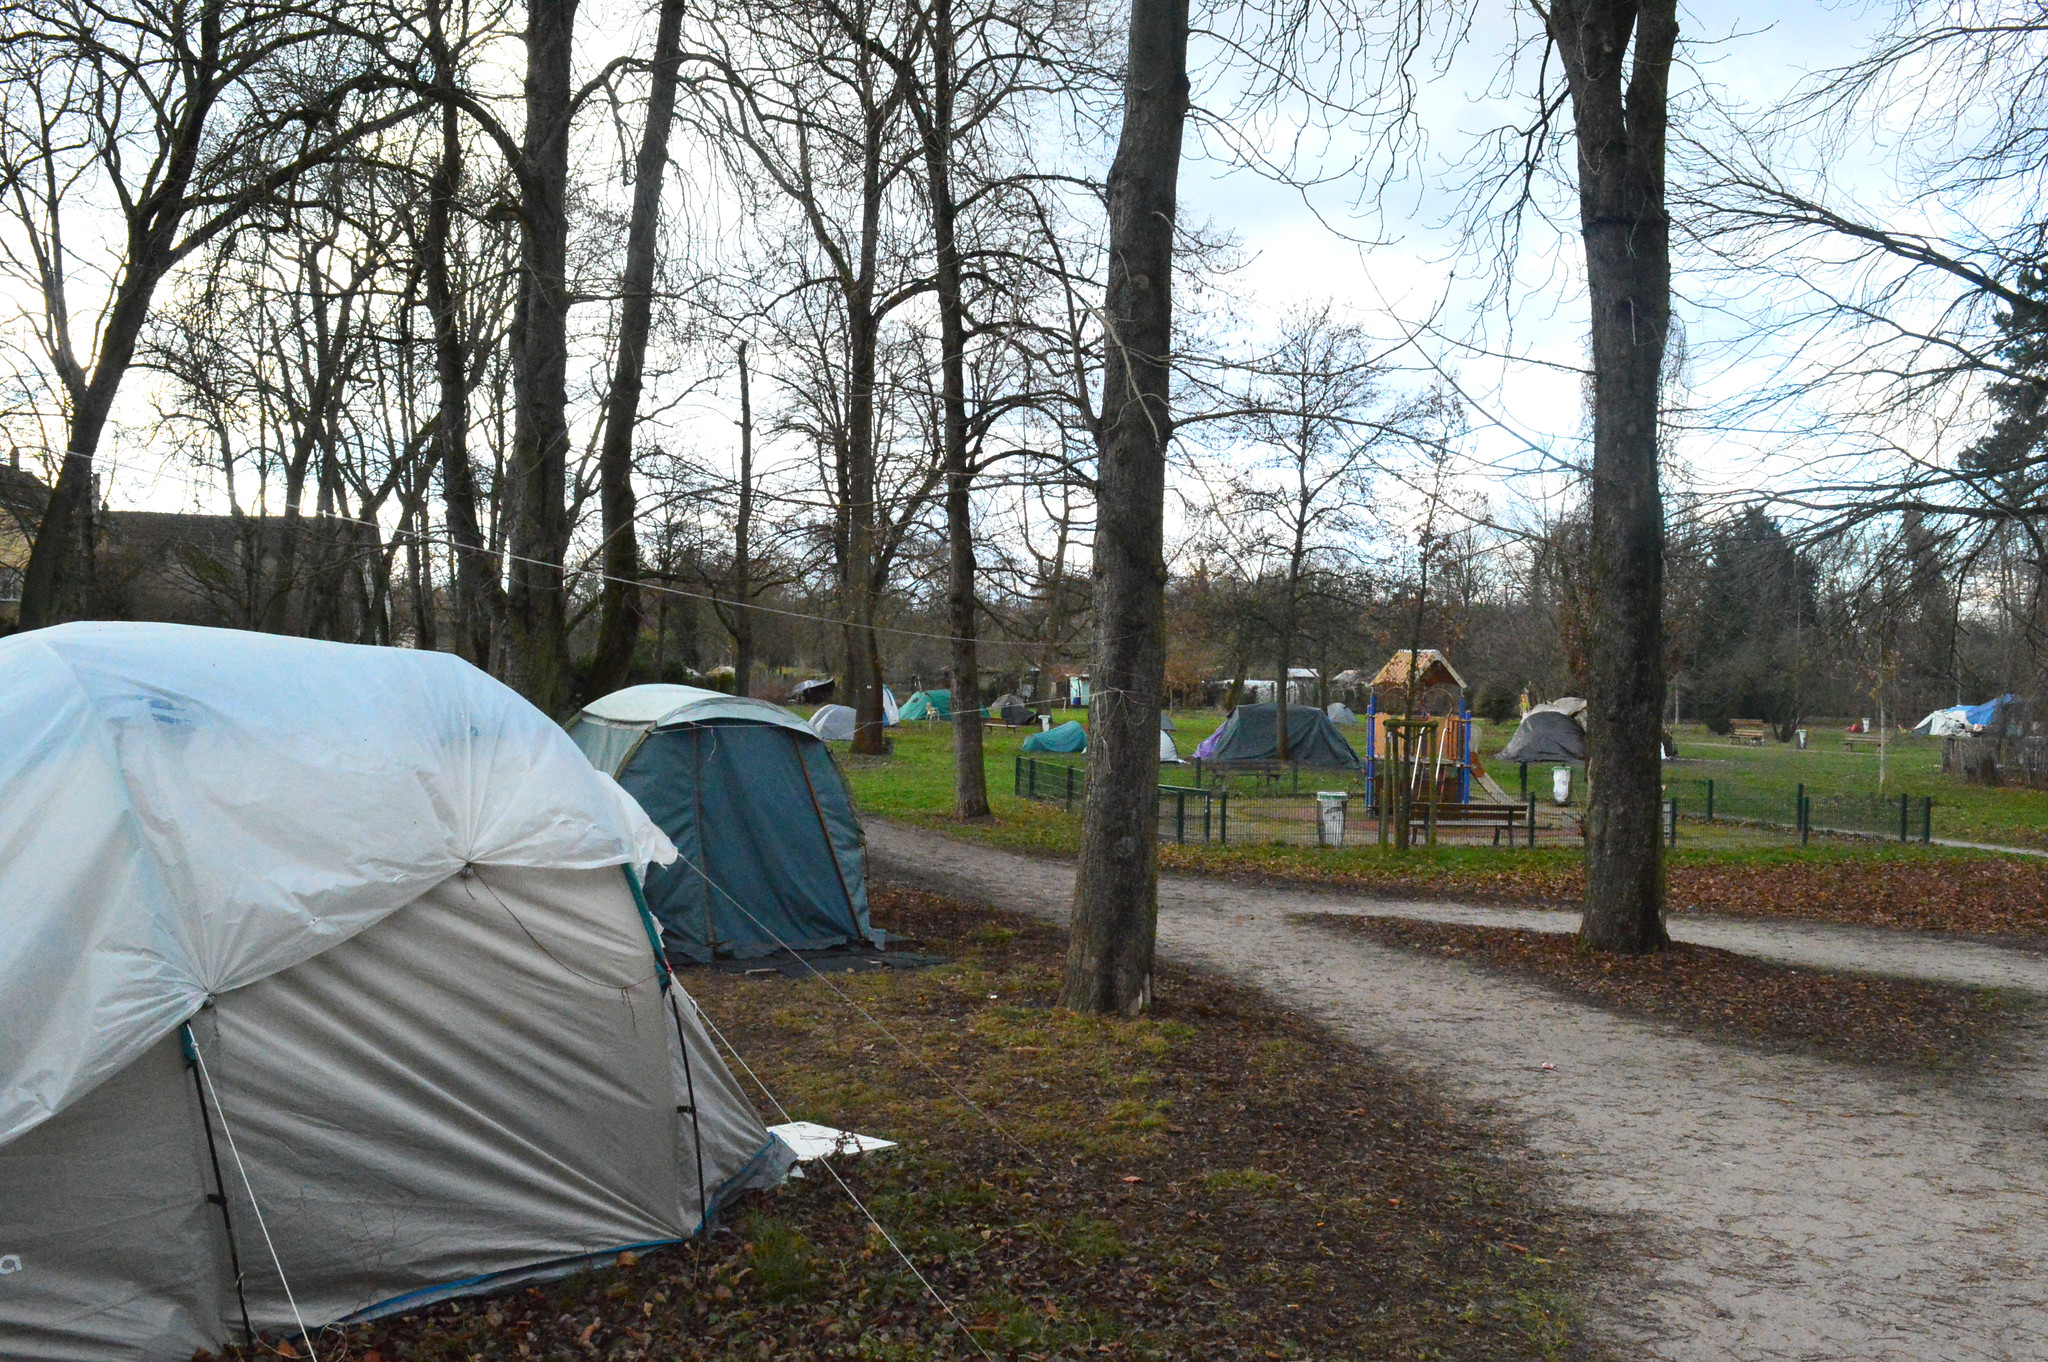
<point x="1852" y="741"/>
<point x="1750" y="731"/>
<point x="1497" y="817"/>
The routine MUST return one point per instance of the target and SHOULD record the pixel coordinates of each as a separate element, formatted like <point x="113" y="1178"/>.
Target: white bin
<point x="1330" y="817"/>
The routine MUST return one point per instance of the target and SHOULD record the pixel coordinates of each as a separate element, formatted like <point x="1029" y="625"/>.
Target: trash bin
<point x="1561" y="785"/>
<point x="1330" y="817"/>
<point x="1802" y="740"/>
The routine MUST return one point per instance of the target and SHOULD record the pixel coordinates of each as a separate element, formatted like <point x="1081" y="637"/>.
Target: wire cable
<point x="248" y="1187"/>
<point x="851" y="1195"/>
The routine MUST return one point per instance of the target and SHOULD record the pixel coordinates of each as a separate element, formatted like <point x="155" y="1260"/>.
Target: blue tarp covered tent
<point x="1983" y="716"/>
<point x="772" y="853"/>
<point x="1066" y="737"/>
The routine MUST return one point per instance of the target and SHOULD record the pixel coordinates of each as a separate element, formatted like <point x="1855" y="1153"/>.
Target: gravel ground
<point x="1790" y="1208"/>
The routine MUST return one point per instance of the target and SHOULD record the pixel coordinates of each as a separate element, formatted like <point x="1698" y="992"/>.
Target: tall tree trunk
<point x="869" y="736"/>
<point x="474" y="584"/>
<point x="1621" y="142"/>
<point x="742" y="541"/>
<point x="1116" y="886"/>
<point x="970" y="776"/>
<point x="536" y="612"/>
<point x="618" y="628"/>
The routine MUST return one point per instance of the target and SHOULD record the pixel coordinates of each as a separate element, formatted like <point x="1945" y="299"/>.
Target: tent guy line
<point x="871" y="1020"/>
<point x="851" y="1195"/>
<point x="397" y="536"/>
<point x="242" y="1171"/>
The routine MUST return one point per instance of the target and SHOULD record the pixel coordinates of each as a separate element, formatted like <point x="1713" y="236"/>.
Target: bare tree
<point x="1116" y="885"/>
<point x="179" y="122"/>
<point x="1617" y="63"/>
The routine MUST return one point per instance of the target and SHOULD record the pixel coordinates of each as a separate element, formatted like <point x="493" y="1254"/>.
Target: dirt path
<point x="1799" y="1209"/>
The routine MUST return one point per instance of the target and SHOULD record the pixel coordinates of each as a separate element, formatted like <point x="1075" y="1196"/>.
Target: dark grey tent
<point x="772" y="853"/>
<point x="1012" y="710"/>
<point x="1165" y="722"/>
<point x="1252" y="733"/>
<point x="1546" y="735"/>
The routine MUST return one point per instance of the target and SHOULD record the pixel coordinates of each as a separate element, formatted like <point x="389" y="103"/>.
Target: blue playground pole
<point x="1465" y="762"/>
<point x="1372" y="761"/>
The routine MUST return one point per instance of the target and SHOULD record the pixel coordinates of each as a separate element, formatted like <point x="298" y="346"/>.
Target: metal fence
<point x="1804" y="810"/>
<point x="1186" y="813"/>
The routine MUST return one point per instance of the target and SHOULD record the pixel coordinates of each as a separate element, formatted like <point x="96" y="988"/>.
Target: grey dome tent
<point x="365" y="913"/>
<point x="1547" y="733"/>
<point x="771" y="853"/>
<point x="1340" y="714"/>
<point x="1067" y="738"/>
<point x="834" y="723"/>
<point x="1012" y="710"/>
<point x="1252" y="733"/>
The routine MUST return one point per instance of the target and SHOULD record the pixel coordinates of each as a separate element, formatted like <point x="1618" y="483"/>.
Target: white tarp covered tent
<point x="1168" y="753"/>
<point x="360" y="918"/>
<point x="1953" y="722"/>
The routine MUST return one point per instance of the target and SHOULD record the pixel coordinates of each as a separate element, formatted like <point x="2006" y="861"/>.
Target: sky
<point x="1398" y="259"/>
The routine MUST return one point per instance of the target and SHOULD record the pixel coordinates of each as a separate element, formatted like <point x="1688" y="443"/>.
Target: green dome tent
<point x="1252" y="733"/>
<point x="772" y="852"/>
<point x="929" y="704"/>
<point x="1067" y="737"/>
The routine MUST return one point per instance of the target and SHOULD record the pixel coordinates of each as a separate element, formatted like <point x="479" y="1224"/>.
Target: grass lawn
<point x="1718" y="868"/>
<point x="1218" y="1179"/>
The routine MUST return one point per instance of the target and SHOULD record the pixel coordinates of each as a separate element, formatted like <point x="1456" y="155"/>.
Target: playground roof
<point x="1432" y="667"/>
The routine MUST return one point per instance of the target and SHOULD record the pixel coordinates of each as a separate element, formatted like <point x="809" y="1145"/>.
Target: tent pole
<point x="190" y="1046"/>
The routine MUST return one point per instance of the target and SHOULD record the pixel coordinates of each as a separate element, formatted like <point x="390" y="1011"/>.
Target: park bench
<point x="1852" y="741"/>
<point x="1751" y="731"/>
<point x="1481" y="817"/>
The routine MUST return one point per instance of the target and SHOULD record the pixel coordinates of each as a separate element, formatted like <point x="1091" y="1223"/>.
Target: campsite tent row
<point x="347" y="937"/>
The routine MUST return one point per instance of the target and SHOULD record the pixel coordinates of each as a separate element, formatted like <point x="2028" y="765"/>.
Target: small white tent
<point x="1168" y="753"/>
<point x="833" y="723"/>
<point x="1953" y="722"/>
<point x="345" y="938"/>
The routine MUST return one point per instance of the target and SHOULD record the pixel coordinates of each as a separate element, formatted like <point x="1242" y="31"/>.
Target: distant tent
<point x="816" y="691"/>
<point x="1252" y="733"/>
<point x="1165" y="722"/>
<point x="1168" y="753"/>
<point x="891" y="715"/>
<point x="834" y="723"/>
<point x="1952" y="722"/>
<point x="1340" y="713"/>
<point x="1547" y="733"/>
<point x="1012" y="710"/>
<point x="1067" y="737"/>
<point x="772" y="853"/>
<point x="929" y="704"/>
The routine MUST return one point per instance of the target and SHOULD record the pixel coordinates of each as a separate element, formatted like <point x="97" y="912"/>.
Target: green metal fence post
<point x="1927" y="818"/>
<point x="1532" y="818"/>
<point x="1710" y="801"/>
<point x="1223" y="818"/>
<point x="1674" y="822"/>
<point x="1902" y="817"/>
<point x="1017" y="779"/>
<point x="1805" y="816"/>
<point x="1070" y="789"/>
<point x="1799" y="810"/>
<point x="1180" y="818"/>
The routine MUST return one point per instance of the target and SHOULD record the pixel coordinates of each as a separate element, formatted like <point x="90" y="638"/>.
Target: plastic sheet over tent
<point x="772" y="854"/>
<point x="388" y="902"/>
<point x="1252" y="733"/>
<point x="816" y="691"/>
<point x="1953" y="722"/>
<point x="1340" y="714"/>
<point x="1066" y="738"/>
<point x="1546" y="734"/>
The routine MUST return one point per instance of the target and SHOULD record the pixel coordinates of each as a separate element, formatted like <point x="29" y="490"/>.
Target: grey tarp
<point x="1340" y="713"/>
<point x="1545" y="735"/>
<point x="1252" y="733"/>
<point x="1012" y="710"/>
<point x="1068" y="737"/>
<point x="487" y="1085"/>
<point x="817" y="691"/>
<point x="772" y="854"/>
